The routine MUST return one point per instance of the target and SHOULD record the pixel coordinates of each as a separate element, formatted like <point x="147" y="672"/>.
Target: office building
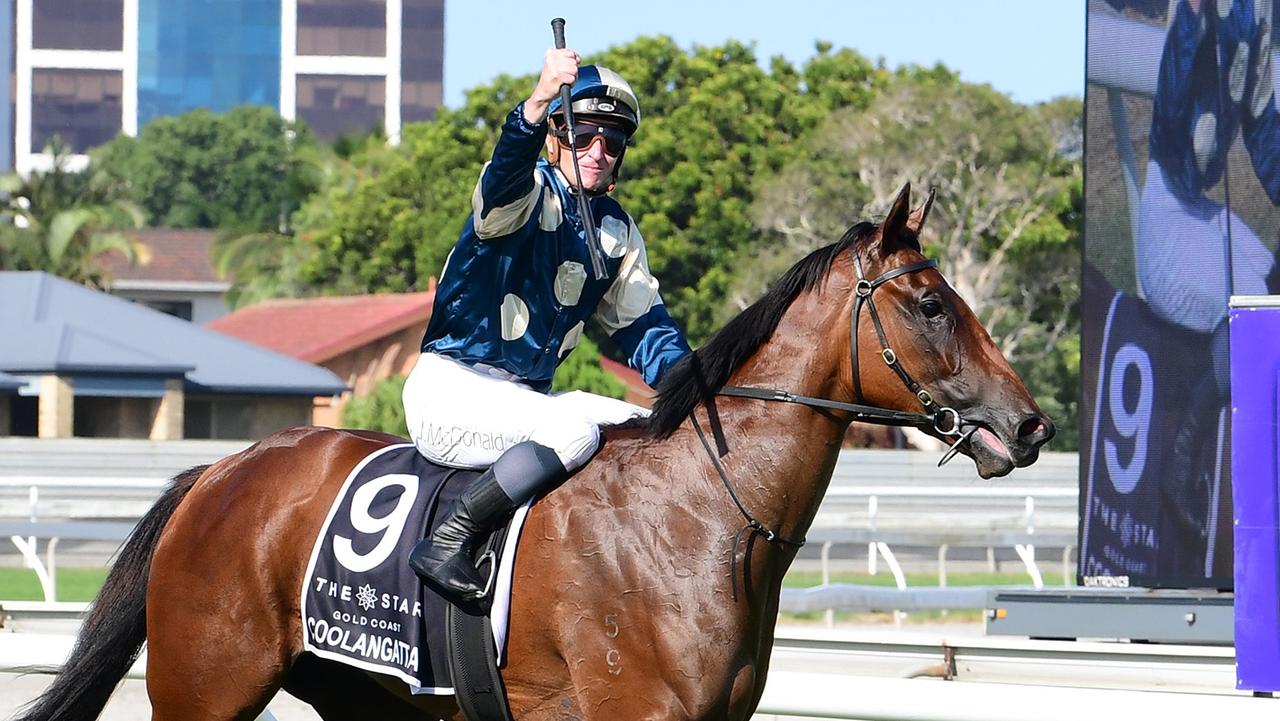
<point x="86" y="70"/>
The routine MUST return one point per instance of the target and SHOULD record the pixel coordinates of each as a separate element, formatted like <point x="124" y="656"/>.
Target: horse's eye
<point x="931" y="307"/>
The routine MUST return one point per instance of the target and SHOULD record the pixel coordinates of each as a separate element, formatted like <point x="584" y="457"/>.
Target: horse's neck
<point x="778" y="458"/>
<point x="780" y="455"/>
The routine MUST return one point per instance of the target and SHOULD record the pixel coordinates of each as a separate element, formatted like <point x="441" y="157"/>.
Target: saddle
<point x="363" y="606"/>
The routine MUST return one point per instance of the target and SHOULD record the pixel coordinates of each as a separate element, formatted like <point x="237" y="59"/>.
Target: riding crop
<point x="584" y="208"/>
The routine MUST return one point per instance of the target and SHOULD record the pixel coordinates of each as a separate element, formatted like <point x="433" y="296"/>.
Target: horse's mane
<point x="705" y="371"/>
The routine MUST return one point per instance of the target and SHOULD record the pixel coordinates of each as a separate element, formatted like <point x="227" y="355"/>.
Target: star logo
<point x="366" y="597"/>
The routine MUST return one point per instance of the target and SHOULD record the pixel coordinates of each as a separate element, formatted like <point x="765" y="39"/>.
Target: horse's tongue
<point x="993" y="441"/>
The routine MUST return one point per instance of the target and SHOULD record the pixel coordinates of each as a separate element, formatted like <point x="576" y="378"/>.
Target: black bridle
<point x="944" y="420"/>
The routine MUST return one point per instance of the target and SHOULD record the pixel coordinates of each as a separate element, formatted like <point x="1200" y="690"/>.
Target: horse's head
<point x="941" y="357"/>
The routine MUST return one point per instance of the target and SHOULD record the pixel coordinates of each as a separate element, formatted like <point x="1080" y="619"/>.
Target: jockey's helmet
<point x="601" y="92"/>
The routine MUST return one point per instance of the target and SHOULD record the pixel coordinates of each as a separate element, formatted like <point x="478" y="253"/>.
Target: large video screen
<point x="1182" y="167"/>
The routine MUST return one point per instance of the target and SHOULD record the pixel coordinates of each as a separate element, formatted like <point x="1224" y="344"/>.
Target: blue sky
<point x="1031" y="49"/>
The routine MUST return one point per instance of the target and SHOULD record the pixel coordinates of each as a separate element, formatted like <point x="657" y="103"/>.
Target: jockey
<point x="512" y="302"/>
<point x="1215" y="79"/>
<point x="1194" y="252"/>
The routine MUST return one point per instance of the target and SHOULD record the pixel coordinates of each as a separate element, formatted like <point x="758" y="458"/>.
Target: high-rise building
<point x="86" y="70"/>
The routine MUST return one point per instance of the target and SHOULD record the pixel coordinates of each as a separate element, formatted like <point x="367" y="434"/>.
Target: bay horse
<point x="647" y="586"/>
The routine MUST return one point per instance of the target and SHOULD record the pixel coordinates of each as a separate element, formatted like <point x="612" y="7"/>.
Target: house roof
<point x="636" y="387"/>
<point x="319" y="329"/>
<point x="178" y="257"/>
<point x="62" y="327"/>
<point x="10" y="384"/>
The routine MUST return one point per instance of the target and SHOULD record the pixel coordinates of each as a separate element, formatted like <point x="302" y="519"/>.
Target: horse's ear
<point x="896" y="230"/>
<point x="916" y="220"/>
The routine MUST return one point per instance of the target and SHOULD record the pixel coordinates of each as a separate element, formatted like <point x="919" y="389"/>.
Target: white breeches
<point x="466" y="417"/>
<point x="1182" y="256"/>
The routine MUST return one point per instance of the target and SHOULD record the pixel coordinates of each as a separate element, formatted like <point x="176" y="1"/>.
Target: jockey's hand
<point x="559" y="67"/>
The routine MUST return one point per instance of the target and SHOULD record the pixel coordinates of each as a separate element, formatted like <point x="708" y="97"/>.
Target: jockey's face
<point x="595" y="161"/>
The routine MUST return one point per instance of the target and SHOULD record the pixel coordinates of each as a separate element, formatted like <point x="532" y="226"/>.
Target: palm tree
<point x="260" y="266"/>
<point x="61" y="222"/>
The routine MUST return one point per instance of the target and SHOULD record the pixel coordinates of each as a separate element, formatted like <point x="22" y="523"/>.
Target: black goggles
<point x="584" y="134"/>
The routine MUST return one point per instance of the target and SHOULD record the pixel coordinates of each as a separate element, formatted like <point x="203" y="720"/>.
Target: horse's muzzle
<point x="999" y="446"/>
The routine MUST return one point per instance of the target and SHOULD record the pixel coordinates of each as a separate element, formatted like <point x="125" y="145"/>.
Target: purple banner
<point x="1255" y="395"/>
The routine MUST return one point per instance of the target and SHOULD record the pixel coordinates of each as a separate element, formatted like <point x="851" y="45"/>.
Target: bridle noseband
<point x="944" y="420"/>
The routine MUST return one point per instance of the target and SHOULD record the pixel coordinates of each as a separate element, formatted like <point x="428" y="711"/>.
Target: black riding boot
<point x="445" y="560"/>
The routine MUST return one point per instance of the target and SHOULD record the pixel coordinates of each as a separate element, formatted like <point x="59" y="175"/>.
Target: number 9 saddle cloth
<point x="361" y="604"/>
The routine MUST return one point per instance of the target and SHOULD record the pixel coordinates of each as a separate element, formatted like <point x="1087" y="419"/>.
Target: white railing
<point x="25" y="536"/>
<point x="57" y="490"/>
<point x="961" y="524"/>
<point x="108" y="456"/>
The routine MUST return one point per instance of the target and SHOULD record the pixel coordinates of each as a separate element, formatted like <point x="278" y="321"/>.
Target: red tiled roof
<point x="630" y="378"/>
<point x="176" y="255"/>
<point x="319" y="329"/>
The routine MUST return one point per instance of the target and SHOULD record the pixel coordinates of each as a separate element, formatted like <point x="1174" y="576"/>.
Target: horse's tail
<point x="116" y="625"/>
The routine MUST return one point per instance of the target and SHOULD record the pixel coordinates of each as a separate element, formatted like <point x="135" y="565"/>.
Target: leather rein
<point x="944" y="420"/>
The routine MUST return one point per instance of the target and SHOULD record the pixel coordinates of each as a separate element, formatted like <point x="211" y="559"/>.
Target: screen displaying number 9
<point x="1134" y="425"/>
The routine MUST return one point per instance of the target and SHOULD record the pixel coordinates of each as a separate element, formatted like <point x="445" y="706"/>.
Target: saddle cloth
<point x="361" y="603"/>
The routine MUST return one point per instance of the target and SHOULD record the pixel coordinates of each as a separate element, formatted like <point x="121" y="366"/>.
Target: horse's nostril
<point x="1036" y="429"/>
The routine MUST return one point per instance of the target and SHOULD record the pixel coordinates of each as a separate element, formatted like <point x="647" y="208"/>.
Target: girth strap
<point x="473" y="657"/>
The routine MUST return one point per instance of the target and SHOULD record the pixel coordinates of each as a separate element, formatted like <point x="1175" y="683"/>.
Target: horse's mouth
<point x="990" y="454"/>
<point x="996" y="456"/>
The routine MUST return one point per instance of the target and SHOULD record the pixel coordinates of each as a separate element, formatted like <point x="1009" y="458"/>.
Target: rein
<point x="944" y="420"/>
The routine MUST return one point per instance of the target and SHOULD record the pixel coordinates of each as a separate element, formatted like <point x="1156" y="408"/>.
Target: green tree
<point x="389" y="224"/>
<point x="381" y="410"/>
<point x="268" y="264"/>
<point x="581" y="371"/>
<point x="1005" y="226"/>
<point x="245" y="170"/>
<point x="719" y="123"/>
<point x="265" y="265"/>
<point x="61" y="222"/>
<point x="714" y="123"/>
